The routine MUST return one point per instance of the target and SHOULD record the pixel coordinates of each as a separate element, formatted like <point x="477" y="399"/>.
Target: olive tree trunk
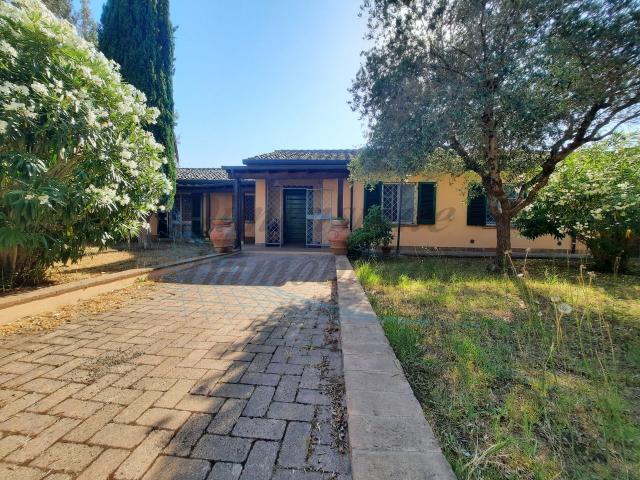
<point x="503" y="239"/>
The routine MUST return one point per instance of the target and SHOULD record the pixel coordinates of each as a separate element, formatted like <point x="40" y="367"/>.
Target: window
<point x="249" y="207"/>
<point x="391" y="207"/>
<point x="490" y="220"/>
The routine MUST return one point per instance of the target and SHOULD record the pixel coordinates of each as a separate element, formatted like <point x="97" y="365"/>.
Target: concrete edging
<point x="388" y="434"/>
<point x="15" y="307"/>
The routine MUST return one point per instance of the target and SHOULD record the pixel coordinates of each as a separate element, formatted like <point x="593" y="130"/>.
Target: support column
<point x="340" y="198"/>
<point x="236" y="212"/>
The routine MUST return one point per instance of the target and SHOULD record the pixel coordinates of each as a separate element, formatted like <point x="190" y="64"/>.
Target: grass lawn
<point x="123" y="257"/>
<point x="529" y="377"/>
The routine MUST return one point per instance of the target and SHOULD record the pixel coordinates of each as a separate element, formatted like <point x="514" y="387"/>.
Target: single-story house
<point x="288" y="197"/>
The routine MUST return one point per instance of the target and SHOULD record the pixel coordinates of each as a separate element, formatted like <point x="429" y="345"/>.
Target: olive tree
<point x="502" y="89"/>
<point x="77" y="166"/>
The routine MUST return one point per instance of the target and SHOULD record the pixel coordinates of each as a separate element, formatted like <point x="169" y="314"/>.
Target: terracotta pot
<point x="338" y="235"/>
<point x="223" y="235"/>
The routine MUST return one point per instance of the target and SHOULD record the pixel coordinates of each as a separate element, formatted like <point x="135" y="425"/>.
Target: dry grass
<point x="513" y="387"/>
<point x="100" y="304"/>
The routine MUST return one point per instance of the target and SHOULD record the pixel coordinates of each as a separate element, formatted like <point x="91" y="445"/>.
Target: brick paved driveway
<point x="229" y="371"/>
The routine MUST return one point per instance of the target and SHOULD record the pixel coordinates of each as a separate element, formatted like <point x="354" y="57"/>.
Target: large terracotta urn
<point x="338" y="235"/>
<point x="223" y="235"/>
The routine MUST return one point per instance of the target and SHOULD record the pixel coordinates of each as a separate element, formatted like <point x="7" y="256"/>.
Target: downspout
<point x="399" y="218"/>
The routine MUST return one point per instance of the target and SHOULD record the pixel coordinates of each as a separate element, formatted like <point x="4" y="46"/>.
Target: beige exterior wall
<point x="261" y="196"/>
<point x="451" y="229"/>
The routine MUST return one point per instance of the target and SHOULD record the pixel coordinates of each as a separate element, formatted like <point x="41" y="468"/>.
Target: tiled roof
<point x="316" y="155"/>
<point x="202" y="174"/>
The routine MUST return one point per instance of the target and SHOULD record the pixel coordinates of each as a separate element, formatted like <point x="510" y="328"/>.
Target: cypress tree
<point x="138" y="35"/>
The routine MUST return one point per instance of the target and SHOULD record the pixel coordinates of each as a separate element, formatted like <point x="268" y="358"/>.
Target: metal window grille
<point x="318" y="214"/>
<point x="391" y="207"/>
<point x="274" y="215"/>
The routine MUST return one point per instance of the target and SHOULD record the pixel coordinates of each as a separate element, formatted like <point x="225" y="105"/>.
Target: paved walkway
<point x="232" y="370"/>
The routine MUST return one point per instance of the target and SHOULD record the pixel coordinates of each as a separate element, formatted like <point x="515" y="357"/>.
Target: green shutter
<point x="372" y="197"/>
<point x="426" y="203"/>
<point x="477" y="206"/>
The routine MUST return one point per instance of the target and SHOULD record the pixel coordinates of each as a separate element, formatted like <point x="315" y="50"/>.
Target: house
<point x="288" y="197"/>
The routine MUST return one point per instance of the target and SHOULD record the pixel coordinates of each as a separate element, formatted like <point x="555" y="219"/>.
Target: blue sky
<point x="259" y="75"/>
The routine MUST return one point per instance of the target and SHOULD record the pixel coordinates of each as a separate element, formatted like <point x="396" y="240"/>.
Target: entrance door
<point x="295" y="204"/>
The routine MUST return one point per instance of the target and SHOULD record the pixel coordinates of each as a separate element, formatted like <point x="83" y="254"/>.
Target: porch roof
<point x="217" y="178"/>
<point x="291" y="163"/>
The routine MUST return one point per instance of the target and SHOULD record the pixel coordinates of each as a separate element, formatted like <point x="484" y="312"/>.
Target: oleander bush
<point x="77" y="166"/>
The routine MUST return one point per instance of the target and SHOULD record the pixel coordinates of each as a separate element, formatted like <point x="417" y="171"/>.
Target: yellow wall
<point x="451" y="229"/>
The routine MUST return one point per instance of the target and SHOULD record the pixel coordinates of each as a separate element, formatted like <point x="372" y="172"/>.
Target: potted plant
<point x="223" y="235"/>
<point x="338" y="235"/>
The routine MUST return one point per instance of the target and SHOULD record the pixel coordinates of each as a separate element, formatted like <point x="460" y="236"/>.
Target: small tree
<point x="138" y="35"/>
<point x="76" y="165"/>
<point x="375" y="232"/>
<point x="594" y="197"/>
<point x="504" y="89"/>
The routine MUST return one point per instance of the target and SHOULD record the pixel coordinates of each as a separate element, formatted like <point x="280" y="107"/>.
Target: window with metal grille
<point x="490" y="220"/>
<point x="249" y="207"/>
<point x="391" y="207"/>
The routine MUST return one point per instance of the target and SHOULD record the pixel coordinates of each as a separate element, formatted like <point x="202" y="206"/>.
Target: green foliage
<point x="595" y="197"/>
<point x="76" y="165"/>
<point x="528" y="377"/>
<point x="502" y="89"/>
<point x="138" y="35"/>
<point x="375" y="231"/>
<point x="62" y="8"/>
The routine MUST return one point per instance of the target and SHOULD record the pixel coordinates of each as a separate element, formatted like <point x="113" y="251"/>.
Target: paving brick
<point x="207" y="382"/>
<point x="325" y="458"/>
<point x="222" y="448"/>
<point x="91" y="425"/>
<point x="163" y="418"/>
<point x="172" y="468"/>
<point x="138" y="407"/>
<point x="93" y="389"/>
<point x="287" y="389"/>
<point x="175" y="394"/>
<point x="105" y="465"/>
<point x="144" y="455"/>
<point x="314" y="397"/>
<point x="290" y="474"/>
<point x="263" y="428"/>
<point x="188" y="435"/>
<point x="259" y="465"/>
<point x="75" y="408"/>
<point x="55" y="398"/>
<point x="295" y="445"/>
<point x="36" y="445"/>
<point x="226" y="418"/>
<point x="121" y="396"/>
<point x="252" y="378"/>
<point x="285" y="369"/>
<point x="15" y="406"/>
<point x="199" y="403"/>
<point x="291" y="411"/>
<point x="232" y="390"/>
<point x="10" y="443"/>
<point x="120" y="436"/>
<point x="43" y="385"/>
<point x="259" y="402"/>
<point x="225" y="471"/>
<point x="69" y="457"/>
<point x="234" y="372"/>
<point x="17" y="472"/>
<point x="155" y="383"/>
<point x="27" y="423"/>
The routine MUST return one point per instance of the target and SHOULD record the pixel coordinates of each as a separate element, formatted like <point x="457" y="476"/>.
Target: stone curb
<point x="388" y="434"/>
<point x="14" y="307"/>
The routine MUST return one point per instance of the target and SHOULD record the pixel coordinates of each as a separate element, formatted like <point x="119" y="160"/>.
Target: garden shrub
<point x="375" y="232"/>
<point x="594" y="197"/>
<point x="77" y="166"/>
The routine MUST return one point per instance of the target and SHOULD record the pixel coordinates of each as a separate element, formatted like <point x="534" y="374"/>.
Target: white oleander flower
<point x="43" y="199"/>
<point x="39" y="88"/>
<point x="3" y="126"/>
